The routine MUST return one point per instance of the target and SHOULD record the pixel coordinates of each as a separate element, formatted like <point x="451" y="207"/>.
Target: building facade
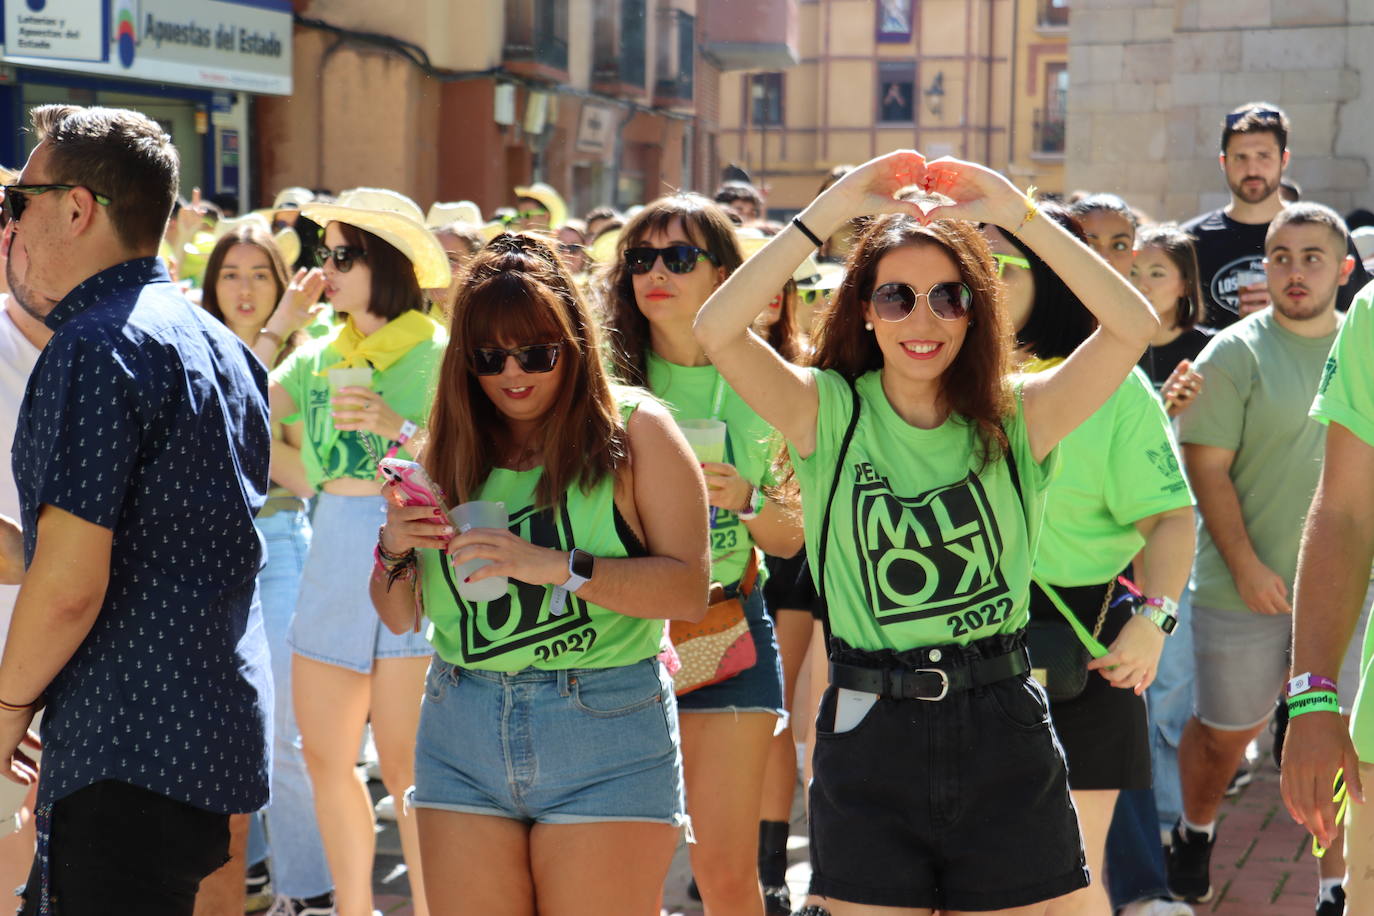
<point x="609" y="101"/>
<point x="1154" y="79"/>
<point x="979" y="79"/>
<point x="195" y="66"/>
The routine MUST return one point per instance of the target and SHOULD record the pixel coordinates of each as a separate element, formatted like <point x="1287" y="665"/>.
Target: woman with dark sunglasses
<point x="548" y="773"/>
<point x="1120" y="494"/>
<point x="346" y="670"/>
<point x="670" y="257"/>
<point x="923" y="465"/>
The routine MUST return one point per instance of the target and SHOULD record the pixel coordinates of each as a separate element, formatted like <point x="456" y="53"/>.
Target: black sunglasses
<point x="679" y="259"/>
<point x="534" y="358"/>
<point x="1262" y="113"/>
<point x="949" y="301"/>
<point x="343" y="255"/>
<point x="17" y="196"/>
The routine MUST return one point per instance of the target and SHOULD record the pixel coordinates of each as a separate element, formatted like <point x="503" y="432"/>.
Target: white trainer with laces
<point x="1157" y="908"/>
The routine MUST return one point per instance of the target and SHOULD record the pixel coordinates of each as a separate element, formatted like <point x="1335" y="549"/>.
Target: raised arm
<point x="780" y="393"/>
<point x="1058" y="400"/>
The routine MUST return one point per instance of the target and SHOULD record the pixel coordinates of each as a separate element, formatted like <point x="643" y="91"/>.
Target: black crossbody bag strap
<point x="1016" y="478"/>
<point x="830" y="501"/>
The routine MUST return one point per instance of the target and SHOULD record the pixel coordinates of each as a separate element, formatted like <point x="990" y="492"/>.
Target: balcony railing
<point x="676" y="59"/>
<point x="623" y="68"/>
<point x="536" y="33"/>
<point x="1053" y="13"/>
<point x="1049" y="133"/>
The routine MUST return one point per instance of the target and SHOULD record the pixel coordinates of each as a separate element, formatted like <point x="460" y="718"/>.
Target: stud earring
<point x="868" y="325"/>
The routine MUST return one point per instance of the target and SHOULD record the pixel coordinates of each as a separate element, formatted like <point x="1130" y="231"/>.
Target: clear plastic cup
<point x="348" y="378"/>
<point x="1246" y="278"/>
<point x="479" y="514"/>
<point x="706" y="437"/>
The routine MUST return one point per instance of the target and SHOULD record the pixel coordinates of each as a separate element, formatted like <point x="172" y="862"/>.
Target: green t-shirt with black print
<point x="520" y="629"/>
<point x="407" y="386"/>
<point x="924" y="548"/>
<point x="750" y="445"/>
<point x="1119" y="466"/>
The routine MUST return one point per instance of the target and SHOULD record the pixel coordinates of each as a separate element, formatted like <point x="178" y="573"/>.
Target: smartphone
<point x="851" y="706"/>
<point x="417" y="489"/>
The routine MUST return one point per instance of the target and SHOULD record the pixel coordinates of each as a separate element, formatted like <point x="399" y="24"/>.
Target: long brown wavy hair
<point x="705" y="225"/>
<point x="516" y="292"/>
<point x="975" y="385"/>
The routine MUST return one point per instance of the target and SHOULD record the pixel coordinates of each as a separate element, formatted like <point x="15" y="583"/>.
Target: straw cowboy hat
<point x="292" y="199"/>
<point x="463" y="211"/>
<point x="397" y="220"/>
<point x="288" y="243"/>
<point x="551" y="199"/>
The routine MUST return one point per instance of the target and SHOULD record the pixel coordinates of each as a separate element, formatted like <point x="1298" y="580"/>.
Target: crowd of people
<point x="1004" y="525"/>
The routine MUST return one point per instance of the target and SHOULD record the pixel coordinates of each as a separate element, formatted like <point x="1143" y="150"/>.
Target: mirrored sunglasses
<point x="948" y="301"/>
<point x="679" y="259"/>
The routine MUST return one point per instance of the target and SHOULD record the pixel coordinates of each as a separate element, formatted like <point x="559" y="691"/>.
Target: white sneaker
<point x="1157" y="908"/>
<point x="386" y="809"/>
<point x="288" y="906"/>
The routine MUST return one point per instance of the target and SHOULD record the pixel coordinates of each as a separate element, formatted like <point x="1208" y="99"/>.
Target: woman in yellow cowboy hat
<point x="378" y="258"/>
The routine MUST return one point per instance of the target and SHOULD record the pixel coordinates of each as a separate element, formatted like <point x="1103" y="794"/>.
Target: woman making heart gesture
<point x="923" y="464"/>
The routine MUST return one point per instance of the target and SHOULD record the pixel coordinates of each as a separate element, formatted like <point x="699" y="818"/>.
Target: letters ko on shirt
<point x="926" y="555"/>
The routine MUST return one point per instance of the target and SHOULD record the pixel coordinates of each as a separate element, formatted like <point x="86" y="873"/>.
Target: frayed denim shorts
<point x="575" y="746"/>
<point x="335" y="621"/>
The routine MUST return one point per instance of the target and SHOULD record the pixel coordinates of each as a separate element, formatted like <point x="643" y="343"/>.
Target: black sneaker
<point x="1279" y="726"/>
<point x="257" y="885"/>
<point x="1332" y="903"/>
<point x="1244" y="776"/>
<point x="1189" y="865"/>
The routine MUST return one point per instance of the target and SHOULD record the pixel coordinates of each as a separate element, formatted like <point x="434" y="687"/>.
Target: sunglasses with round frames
<point x="679" y="259"/>
<point x="948" y="301"/>
<point x="1014" y="260"/>
<point x="343" y="256"/>
<point x="536" y="358"/>
<point x="17" y="196"/>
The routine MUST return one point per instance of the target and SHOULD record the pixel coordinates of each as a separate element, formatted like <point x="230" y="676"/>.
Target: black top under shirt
<point x="1226" y="247"/>
<point x="1159" y="362"/>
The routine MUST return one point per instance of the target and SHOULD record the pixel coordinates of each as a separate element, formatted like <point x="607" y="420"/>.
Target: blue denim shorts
<point x="335" y="622"/>
<point x="759" y="689"/>
<point x="552" y="747"/>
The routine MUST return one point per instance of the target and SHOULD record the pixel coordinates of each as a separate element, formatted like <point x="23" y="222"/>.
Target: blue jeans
<point x="1170" y="700"/>
<point x="299" y="868"/>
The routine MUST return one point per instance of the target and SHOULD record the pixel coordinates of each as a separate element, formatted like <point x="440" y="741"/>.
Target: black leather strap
<point x="933" y="683"/>
<point x="818" y="570"/>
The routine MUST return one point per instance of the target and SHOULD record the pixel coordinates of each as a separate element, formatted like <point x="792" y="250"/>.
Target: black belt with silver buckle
<point x="930" y="683"/>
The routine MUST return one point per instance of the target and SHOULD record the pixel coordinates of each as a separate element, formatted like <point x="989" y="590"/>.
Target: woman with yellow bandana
<point x="346" y="667"/>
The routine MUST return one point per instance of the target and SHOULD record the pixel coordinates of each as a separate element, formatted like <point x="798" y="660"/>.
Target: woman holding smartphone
<point x="924" y="467"/>
<point x="346" y="671"/>
<point x="548" y="776"/>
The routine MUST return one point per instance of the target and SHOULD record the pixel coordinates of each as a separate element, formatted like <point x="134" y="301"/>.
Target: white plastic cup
<point x="348" y="378"/>
<point x="1246" y="278"/>
<point x="479" y="514"/>
<point x="706" y="437"/>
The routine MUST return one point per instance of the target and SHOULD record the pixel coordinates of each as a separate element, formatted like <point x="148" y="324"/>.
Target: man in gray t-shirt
<point x="1253" y="457"/>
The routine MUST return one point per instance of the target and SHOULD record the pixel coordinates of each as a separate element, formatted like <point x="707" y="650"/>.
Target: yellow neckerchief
<point x="1036" y="364"/>
<point x="383" y="347"/>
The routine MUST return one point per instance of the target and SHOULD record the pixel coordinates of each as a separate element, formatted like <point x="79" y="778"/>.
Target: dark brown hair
<point x="247" y="234"/>
<point x="1178" y="246"/>
<point x="394" y="289"/>
<point x="782" y="335"/>
<point x="516" y="291"/>
<point x="705" y="225"/>
<point x="1307" y="212"/>
<point x="120" y="154"/>
<point x="975" y="384"/>
<point x="1256" y="118"/>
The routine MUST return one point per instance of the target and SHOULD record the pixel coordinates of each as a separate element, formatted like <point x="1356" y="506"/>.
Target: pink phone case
<point x="416" y="487"/>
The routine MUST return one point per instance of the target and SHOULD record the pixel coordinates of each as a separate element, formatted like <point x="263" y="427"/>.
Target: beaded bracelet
<point x="395" y="566"/>
<point x="1314" y="701"/>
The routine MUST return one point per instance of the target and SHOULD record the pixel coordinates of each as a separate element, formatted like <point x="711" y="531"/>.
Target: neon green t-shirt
<point x="519" y="630"/>
<point x="407" y="386"/>
<point x="750" y="445"/>
<point x="1346" y="396"/>
<point x="923" y="548"/>
<point x="1120" y="466"/>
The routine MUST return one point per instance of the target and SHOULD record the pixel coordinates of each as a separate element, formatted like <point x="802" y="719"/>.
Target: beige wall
<point x="830" y="98"/>
<point x="1152" y="80"/>
<point x="457" y="34"/>
<point x="1036" y="47"/>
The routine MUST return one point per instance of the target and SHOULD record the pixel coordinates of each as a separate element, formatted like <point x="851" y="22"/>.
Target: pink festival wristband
<point x="1309" y="681"/>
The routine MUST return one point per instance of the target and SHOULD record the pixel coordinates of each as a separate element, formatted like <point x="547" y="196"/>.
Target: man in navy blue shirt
<point x="141" y="456"/>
